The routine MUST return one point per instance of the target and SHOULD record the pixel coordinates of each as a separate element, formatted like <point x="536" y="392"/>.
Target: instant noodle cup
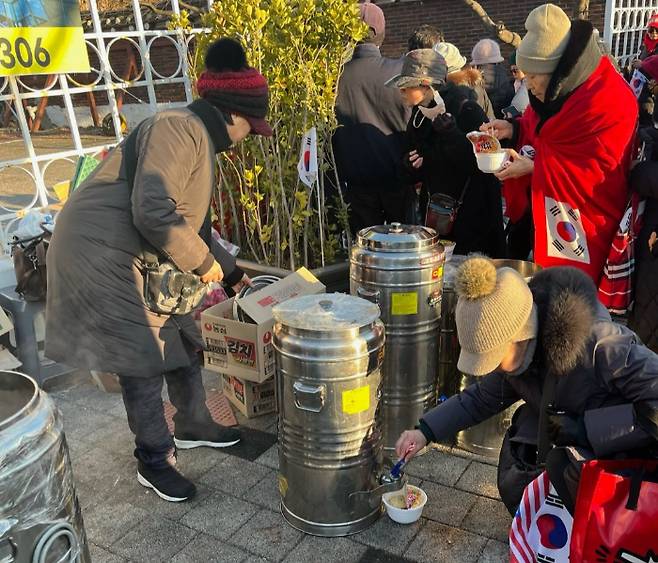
<point x="488" y="152"/>
<point x="396" y="505"/>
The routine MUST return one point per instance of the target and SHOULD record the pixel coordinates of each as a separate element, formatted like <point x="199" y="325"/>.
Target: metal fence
<point x="18" y="93"/>
<point x="625" y="23"/>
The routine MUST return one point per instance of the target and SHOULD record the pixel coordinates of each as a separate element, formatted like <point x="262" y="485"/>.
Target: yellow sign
<point x="41" y="37"/>
<point x="356" y="400"/>
<point x="404" y="303"/>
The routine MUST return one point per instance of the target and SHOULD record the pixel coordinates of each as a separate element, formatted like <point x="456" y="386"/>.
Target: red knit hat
<point x="650" y="67"/>
<point x="233" y="87"/>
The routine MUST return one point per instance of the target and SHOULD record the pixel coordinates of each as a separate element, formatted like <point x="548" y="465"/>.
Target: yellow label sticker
<point x="42" y="50"/>
<point x="283" y="486"/>
<point x="404" y="303"/>
<point x="356" y="400"/>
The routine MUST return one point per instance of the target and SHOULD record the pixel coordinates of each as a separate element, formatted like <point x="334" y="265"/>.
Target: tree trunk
<point x="581" y="9"/>
<point x="496" y="28"/>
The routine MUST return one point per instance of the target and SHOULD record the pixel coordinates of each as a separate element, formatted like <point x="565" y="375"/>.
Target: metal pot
<point x="40" y="517"/>
<point x="329" y="353"/>
<point x="400" y="267"/>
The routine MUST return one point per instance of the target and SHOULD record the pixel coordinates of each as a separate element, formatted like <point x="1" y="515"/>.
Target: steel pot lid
<point x="326" y="312"/>
<point x="397" y="237"/>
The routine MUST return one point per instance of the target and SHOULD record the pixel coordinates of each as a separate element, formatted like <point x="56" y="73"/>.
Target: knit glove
<point x="444" y="124"/>
<point x="566" y="430"/>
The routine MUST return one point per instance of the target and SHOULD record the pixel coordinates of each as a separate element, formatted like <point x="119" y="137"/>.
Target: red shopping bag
<point x="616" y="517"/>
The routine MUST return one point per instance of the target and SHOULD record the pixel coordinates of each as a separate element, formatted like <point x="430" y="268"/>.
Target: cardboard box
<point x="251" y="399"/>
<point x="242" y="349"/>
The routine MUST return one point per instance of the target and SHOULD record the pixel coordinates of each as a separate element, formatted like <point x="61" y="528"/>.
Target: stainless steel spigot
<point x="387" y="484"/>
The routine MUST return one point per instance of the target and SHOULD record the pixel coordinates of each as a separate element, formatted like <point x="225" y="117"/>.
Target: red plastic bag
<point x="616" y="517"/>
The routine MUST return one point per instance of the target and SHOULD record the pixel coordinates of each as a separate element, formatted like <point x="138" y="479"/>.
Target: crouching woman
<point x="553" y="345"/>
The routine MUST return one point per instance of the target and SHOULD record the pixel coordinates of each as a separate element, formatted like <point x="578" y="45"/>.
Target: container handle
<point x="368" y="294"/>
<point x="309" y="397"/>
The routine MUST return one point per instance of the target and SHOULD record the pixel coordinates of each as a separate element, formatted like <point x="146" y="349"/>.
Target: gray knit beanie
<point x="495" y="309"/>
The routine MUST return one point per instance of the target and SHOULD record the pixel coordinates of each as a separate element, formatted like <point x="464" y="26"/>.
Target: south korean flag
<point x="565" y="233"/>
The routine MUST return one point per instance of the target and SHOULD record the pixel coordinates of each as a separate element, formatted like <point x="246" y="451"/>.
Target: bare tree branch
<point x="497" y="28"/>
<point x="161" y="12"/>
<point x="581" y="9"/>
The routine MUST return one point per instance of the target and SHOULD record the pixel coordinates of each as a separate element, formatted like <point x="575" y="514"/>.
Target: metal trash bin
<point x="329" y="352"/>
<point x="486" y="438"/>
<point x="40" y="517"/>
<point x="400" y="267"/>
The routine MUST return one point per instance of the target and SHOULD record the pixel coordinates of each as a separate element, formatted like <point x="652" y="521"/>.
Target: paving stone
<point x="489" y="518"/>
<point x="100" y="555"/>
<point x="268" y="535"/>
<point x="107" y="523"/>
<point x="336" y="550"/>
<point x="270" y="458"/>
<point x="79" y="420"/>
<point x="266" y="493"/>
<point x="234" y="476"/>
<point x="388" y="535"/>
<point x="197" y="462"/>
<point x="267" y="422"/>
<point x="220" y="515"/>
<point x="436" y="542"/>
<point x="155" y="539"/>
<point x="207" y="549"/>
<point x="65" y="381"/>
<point x="373" y="555"/>
<point x="438" y="467"/>
<point x="494" y="552"/>
<point x="446" y="505"/>
<point x="480" y="479"/>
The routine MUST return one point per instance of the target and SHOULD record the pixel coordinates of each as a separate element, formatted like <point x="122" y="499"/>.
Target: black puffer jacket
<point x="644" y="317"/>
<point x="448" y="162"/>
<point x="601" y="369"/>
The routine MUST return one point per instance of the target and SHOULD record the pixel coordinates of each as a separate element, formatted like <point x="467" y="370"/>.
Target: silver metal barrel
<point x="40" y="518"/>
<point x="400" y="267"/>
<point x="329" y="352"/>
<point x="486" y="438"/>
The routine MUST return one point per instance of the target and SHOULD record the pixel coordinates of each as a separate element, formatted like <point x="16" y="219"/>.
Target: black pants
<point x="142" y="397"/>
<point x="376" y="207"/>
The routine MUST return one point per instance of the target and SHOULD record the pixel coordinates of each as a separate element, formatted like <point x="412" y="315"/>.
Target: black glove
<point x="566" y="430"/>
<point x="444" y="124"/>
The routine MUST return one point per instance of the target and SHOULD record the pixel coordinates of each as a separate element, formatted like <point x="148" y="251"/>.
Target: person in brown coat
<point x="97" y="317"/>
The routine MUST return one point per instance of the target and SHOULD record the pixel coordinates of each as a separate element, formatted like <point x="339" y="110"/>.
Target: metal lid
<point x="396" y="237"/>
<point x="326" y="312"/>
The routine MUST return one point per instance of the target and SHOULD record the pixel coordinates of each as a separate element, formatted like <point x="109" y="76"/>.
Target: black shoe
<point x="167" y="483"/>
<point x="211" y="435"/>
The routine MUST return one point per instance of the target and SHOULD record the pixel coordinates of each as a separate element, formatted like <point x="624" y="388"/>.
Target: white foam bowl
<point x="491" y="162"/>
<point x="401" y="515"/>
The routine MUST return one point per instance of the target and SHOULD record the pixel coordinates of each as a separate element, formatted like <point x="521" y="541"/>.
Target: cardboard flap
<point x="259" y="305"/>
<point x="5" y="324"/>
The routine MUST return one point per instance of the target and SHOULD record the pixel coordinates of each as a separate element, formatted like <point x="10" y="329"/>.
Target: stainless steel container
<point x="328" y="354"/>
<point x="486" y="438"/>
<point x="400" y="267"/>
<point x="40" y="518"/>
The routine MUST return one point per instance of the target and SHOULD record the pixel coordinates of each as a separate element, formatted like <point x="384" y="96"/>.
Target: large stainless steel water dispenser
<point x="328" y="355"/>
<point x="400" y="267"/>
<point x="40" y="518"/>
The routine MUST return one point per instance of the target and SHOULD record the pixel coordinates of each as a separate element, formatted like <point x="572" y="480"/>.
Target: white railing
<point x="625" y="24"/>
<point x="15" y="91"/>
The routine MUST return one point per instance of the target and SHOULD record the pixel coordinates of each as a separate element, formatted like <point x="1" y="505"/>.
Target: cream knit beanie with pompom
<point x="495" y="308"/>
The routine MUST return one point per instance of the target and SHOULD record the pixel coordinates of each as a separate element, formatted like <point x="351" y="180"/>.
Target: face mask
<point x="438" y="109"/>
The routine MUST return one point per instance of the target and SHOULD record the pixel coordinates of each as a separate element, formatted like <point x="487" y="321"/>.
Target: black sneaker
<point x="211" y="435"/>
<point x="167" y="483"/>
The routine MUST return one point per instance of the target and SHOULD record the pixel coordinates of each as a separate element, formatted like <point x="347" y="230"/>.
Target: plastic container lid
<point x="397" y="237"/>
<point x="326" y="312"/>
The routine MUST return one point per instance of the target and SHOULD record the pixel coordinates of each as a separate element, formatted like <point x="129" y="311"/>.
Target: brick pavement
<point x="235" y="517"/>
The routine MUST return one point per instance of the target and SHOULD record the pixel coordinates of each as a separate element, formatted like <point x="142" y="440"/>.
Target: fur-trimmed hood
<point x="567" y="306"/>
<point x="470" y="77"/>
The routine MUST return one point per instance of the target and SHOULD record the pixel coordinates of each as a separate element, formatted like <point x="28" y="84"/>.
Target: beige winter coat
<point x="96" y="317"/>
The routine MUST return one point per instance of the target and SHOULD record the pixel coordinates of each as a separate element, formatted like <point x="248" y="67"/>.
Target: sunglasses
<point x="652" y="30"/>
<point x="514" y="70"/>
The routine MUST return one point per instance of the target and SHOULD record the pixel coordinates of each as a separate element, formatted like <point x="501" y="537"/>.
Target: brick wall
<point x="460" y="24"/>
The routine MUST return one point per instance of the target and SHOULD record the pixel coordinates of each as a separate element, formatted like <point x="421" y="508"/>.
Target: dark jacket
<point x="472" y="78"/>
<point x="372" y="118"/>
<point x="498" y="85"/>
<point x="96" y="317"/>
<point x="448" y="162"/>
<point x="644" y="317"/>
<point x="601" y="369"/>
